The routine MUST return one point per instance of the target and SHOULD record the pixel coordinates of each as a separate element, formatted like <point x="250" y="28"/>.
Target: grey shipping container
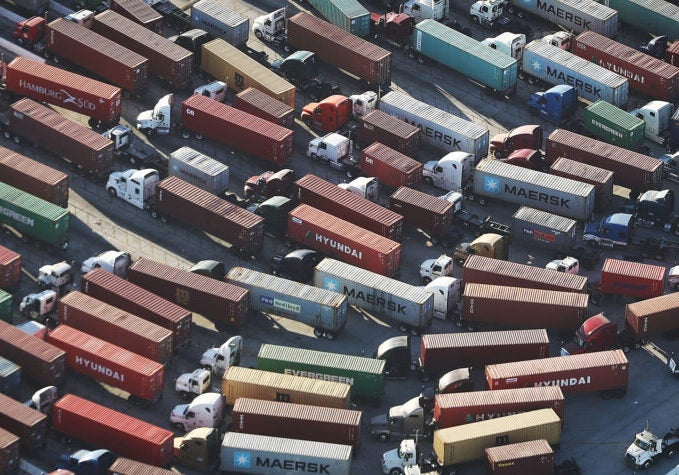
<point x="324" y="310"/>
<point x="348" y="15"/>
<point x="574" y="15"/>
<point x="29" y="424"/>
<point x="250" y="453"/>
<point x="198" y="169"/>
<point x="215" y="17"/>
<point x="562" y="196"/>
<point x="410" y="306"/>
<point x="599" y="177"/>
<point x="544" y="229"/>
<point x="10" y="377"/>
<point x="140" y="12"/>
<point x="440" y="129"/>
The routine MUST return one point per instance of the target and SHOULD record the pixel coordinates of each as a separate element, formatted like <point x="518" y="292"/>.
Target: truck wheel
<point x="531" y="80"/>
<point x="625" y="348"/>
<point x="329" y="336"/>
<point x="186" y="134"/>
<point x="521" y="14"/>
<point x="595" y="298"/>
<point x="426" y="280"/>
<point x="475" y="19"/>
<point x="428" y="181"/>
<point x="482" y="201"/>
<point x="403" y="328"/>
<point x="318" y="333"/>
<point x="395" y="471"/>
<point x="522" y="76"/>
<point x="647" y="464"/>
<point x="132" y="161"/>
<point x="384" y="438"/>
<point x="179" y="427"/>
<point x="163" y="219"/>
<point x="307" y="122"/>
<point x="258" y="34"/>
<point x="112" y="192"/>
<point x="198" y="136"/>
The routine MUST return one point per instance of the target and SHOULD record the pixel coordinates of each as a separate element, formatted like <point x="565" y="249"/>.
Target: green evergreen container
<point x="349" y="15"/>
<point x="614" y="125"/>
<point x="5" y="306"/>
<point x="657" y="17"/>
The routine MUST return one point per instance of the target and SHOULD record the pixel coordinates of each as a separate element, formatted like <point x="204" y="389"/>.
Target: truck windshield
<point x="579" y="341"/>
<point x="642" y="444"/>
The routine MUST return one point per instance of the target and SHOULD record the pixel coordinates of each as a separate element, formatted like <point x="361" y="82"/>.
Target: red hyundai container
<point x="653" y="315"/>
<point x="74" y="142"/>
<point x="168" y="61"/>
<point x="101" y="56"/>
<point x="522" y="307"/>
<point x="116" y="326"/>
<point x="597" y="371"/>
<point x="646" y="74"/>
<point x="142" y="377"/>
<point x="390" y="166"/>
<point x="240" y="130"/>
<point x="125" y="466"/>
<point x="42" y="363"/>
<point x="456" y="409"/>
<point x="443" y="352"/>
<point x="486" y="270"/>
<point x="632" y="279"/>
<point x="27" y="423"/>
<point x="343" y="240"/>
<point x="421" y="210"/>
<point x="344" y="204"/>
<point x="633" y="170"/>
<point x="535" y="457"/>
<point x="297" y="421"/>
<point x="139" y="12"/>
<point x="214" y="299"/>
<point x="601" y="179"/>
<point x="9" y="453"/>
<point x="10" y="268"/>
<point x="33" y="177"/>
<point x="378" y="126"/>
<point x="105" y="428"/>
<point x="203" y="210"/>
<point x="255" y="102"/>
<point x="127" y="296"/>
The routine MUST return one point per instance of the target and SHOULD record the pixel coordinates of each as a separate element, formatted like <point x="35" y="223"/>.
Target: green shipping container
<point x="657" y="17"/>
<point x="365" y="375"/>
<point x="5" y="306"/>
<point x="34" y="217"/>
<point x="614" y="125"/>
<point x="349" y="15"/>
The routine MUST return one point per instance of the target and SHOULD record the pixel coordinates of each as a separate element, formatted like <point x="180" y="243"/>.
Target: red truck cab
<point x="526" y="158"/>
<point x="30" y="31"/>
<point x="396" y="28"/>
<point x="597" y="333"/>
<point x="270" y="184"/>
<point x="329" y="115"/>
<point x="526" y="136"/>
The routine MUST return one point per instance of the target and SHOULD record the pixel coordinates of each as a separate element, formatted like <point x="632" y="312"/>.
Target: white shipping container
<point x="200" y="170"/>
<point x="220" y="21"/>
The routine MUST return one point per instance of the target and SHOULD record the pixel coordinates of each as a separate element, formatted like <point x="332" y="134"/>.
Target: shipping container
<point x="216" y="300"/>
<point x="250" y="453"/>
<point x="27" y="423"/>
<point x="324" y="310"/>
<point x="191" y="205"/>
<point x="333" y="45"/>
<point x="6" y="307"/>
<point x="672" y="54"/>
<point x="220" y="21"/>
<point x="229" y="64"/>
<point x="33" y="177"/>
<point x="493" y="69"/>
<point x="544" y="229"/>
<point x="255" y="102"/>
<point x="299" y="421"/>
<point x="125" y="466"/>
<point x="168" y="61"/>
<point x="138" y="375"/>
<point x="534" y="456"/>
<point x="10" y="378"/>
<point x="632" y="279"/>
<point x="72" y="141"/>
<point x="423" y="211"/>
<point x="99" y="55"/>
<point x="244" y="132"/>
<point x="409" y="306"/>
<point x="10" y="268"/>
<point x="33" y="328"/>
<point x="337" y="238"/>
<point x="42" y="363"/>
<point x="597" y="371"/>
<point x="390" y="167"/>
<point x="654" y="315"/>
<point x="614" y="125"/>
<point x="500" y="180"/>
<point x="601" y="179"/>
<point x="364" y="375"/>
<point x="574" y="15"/>
<point x="656" y="17"/>
<point x="120" y="433"/>
<point x="9" y="453"/>
<point x="555" y="66"/>
<point x="349" y="206"/>
<point x="349" y="15"/>
<point x="378" y="126"/>
<point x="199" y="170"/>
<point x="440" y="129"/>
<point x="240" y="382"/>
<point x="139" y="12"/>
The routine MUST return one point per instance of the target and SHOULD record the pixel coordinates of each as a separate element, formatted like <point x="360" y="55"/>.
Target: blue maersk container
<point x="349" y="15"/>
<point x="495" y="70"/>
<point x="10" y="378"/>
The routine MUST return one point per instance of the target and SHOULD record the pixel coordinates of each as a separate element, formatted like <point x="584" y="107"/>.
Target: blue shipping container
<point x="10" y="378"/>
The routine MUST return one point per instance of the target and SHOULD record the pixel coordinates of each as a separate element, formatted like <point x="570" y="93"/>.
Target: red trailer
<point x="653" y="315"/>
<point x="29" y="424"/>
<point x="344" y="204"/>
<point x="421" y="210"/>
<point x="41" y="362"/>
<point x="9" y="453"/>
<point x="632" y="279"/>
<point x="255" y="102"/>
<point x="10" y="268"/>
<point x="534" y="456"/>
<point x="600" y="178"/>
<point x="139" y="12"/>
<point x="343" y="240"/>
<point x="245" y="132"/>
<point x="34" y="177"/>
<point x="378" y="126"/>
<point x="142" y="377"/>
<point x="125" y="466"/>
<point x="390" y="166"/>
<point x="105" y="428"/>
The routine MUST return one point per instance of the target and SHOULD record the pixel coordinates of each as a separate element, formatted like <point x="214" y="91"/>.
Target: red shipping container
<point x="342" y="240"/>
<point x="534" y="457"/>
<point x="443" y="352"/>
<point x="9" y="453"/>
<point x="344" y="204"/>
<point x="433" y="215"/>
<point x="255" y="102"/>
<point x="597" y="371"/>
<point x="41" y="362"/>
<point x="125" y="466"/>
<point x="390" y="166"/>
<point x="10" y="268"/>
<point x="28" y="423"/>
<point x="34" y="177"/>
<point x="139" y="12"/>
<point x="214" y="299"/>
<point x="600" y="178"/>
<point x="456" y="409"/>
<point x="116" y="326"/>
<point x="143" y="378"/>
<point x="240" y="130"/>
<point x="378" y="126"/>
<point x="632" y="279"/>
<point x="105" y="428"/>
<point x="125" y="295"/>
<point x="672" y="54"/>
<point x="654" y="315"/>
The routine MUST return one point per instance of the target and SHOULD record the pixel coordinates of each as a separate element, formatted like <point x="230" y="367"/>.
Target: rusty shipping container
<point x="390" y="167"/>
<point x="344" y="204"/>
<point x="599" y="177"/>
<point x="101" y="320"/>
<point x="120" y="433"/>
<point x="204" y="211"/>
<point x="378" y="126"/>
<point x="653" y="315"/>
<point x="10" y="268"/>
<point x="522" y="307"/>
<point x="633" y="170"/>
<point x="139" y="12"/>
<point x="297" y="421"/>
<point x="42" y="363"/>
<point x="422" y="210"/>
<point x="343" y="240"/>
<point x="245" y="132"/>
<point x="255" y="102"/>
<point x="127" y="296"/>
<point x="443" y="352"/>
<point x="101" y="56"/>
<point x="337" y="47"/>
<point x="74" y="142"/>
<point x="219" y="301"/>
<point x="597" y="371"/>
<point x="27" y="423"/>
<point x="533" y="456"/>
<point x="632" y="279"/>
<point x="168" y="61"/>
<point x="33" y="177"/>
<point x="125" y="466"/>
<point x="9" y="453"/>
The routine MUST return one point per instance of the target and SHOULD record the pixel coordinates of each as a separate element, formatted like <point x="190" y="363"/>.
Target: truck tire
<point x="396" y="471"/>
<point x="403" y="328"/>
<point x="258" y="35"/>
<point x="329" y="336"/>
<point x="307" y="121"/>
<point x="314" y="157"/>
<point x="384" y="437"/>
<point x="647" y="464"/>
<point x="318" y="333"/>
<point x="426" y="280"/>
<point x="475" y="19"/>
<point x="482" y="201"/>
<point x="179" y="427"/>
<point x="521" y="14"/>
<point x="112" y="192"/>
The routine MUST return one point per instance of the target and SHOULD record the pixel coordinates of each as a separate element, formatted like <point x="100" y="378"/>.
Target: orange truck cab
<point x="329" y="115"/>
<point x="30" y="31"/>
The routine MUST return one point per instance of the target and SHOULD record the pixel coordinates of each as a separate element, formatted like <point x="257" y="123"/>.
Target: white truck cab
<point x="159" y="120"/>
<point x="426" y="9"/>
<point x="560" y="39"/>
<point x="446" y="290"/>
<point x="215" y="90"/>
<point x="197" y="382"/>
<point x="137" y="187"/>
<point x="395" y="460"/>
<point x="218" y="359"/>
<point x="673" y="277"/>
<point x="365" y="186"/>
<point x="269" y="27"/>
<point x="511" y="44"/>
<point x="430" y="269"/>
<point x="81" y="17"/>
<point x="115" y="262"/>
<point x="332" y="149"/>
<point x="55" y="276"/>
<point x="487" y="12"/>
<point x="656" y="116"/>
<point x="452" y="172"/>
<point x="206" y="410"/>
<point x="569" y="265"/>
<point x="361" y="104"/>
<point x="456" y="198"/>
<point x="39" y="307"/>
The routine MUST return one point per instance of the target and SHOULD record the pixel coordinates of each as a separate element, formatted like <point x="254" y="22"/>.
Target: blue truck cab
<point x="610" y="231"/>
<point x="556" y="105"/>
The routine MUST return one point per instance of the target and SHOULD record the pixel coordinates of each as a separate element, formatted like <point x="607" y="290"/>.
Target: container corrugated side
<point x="41" y="362"/>
<point x="389" y="130"/>
<point x="391" y="167"/>
<point x="28" y="423"/>
<point x="348" y="15"/>
<point x="200" y="170"/>
<point x="657" y="17"/>
<point x="34" y="177"/>
<point x="258" y="103"/>
<point x="653" y="315"/>
<point x="125" y="466"/>
<point x="423" y="210"/>
<point x="633" y="279"/>
<point x="219" y="20"/>
<point x="10" y="378"/>
<point x="534" y="456"/>
<point x="601" y="178"/>
<point x="614" y="125"/>
<point x="10" y="268"/>
<point x="575" y="15"/>
<point x="141" y="12"/>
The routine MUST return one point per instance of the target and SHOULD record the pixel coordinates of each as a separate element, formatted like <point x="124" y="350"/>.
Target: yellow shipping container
<point x="227" y="63"/>
<point x="257" y="384"/>
<point x="468" y="442"/>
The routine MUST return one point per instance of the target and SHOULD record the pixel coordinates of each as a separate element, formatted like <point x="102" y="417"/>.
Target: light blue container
<point x="349" y="15"/>
<point x="10" y="378"/>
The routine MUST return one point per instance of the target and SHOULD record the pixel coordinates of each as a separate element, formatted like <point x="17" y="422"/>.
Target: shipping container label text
<point x="99" y="368"/>
<point x="339" y="246"/>
<point x="61" y="95"/>
<point x="244" y="460"/>
<point x="374" y="300"/>
<point x="324" y="377"/>
<point x="605" y="127"/>
<point x="435" y="134"/>
<point x="280" y="304"/>
<point x="566" y="382"/>
<point x="20" y="218"/>
<point x="564" y="78"/>
<point x="561" y="13"/>
<point x="492" y="185"/>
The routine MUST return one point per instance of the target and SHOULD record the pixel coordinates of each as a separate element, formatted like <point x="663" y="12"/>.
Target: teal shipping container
<point x="656" y="17"/>
<point x="365" y="375"/>
<point x="348" y="15"/>
<point x="6" y="306"/>
<point x="10" y="378"/>
<point x="487" y="66"/>
<point x="614" y="125"/>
